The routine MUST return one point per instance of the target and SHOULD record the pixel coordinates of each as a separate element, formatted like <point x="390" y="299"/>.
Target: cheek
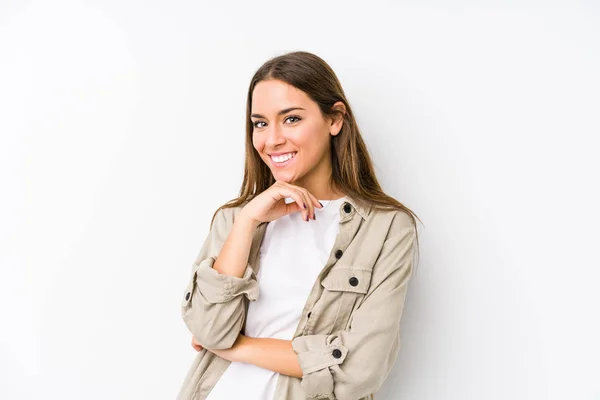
<point x="306" y="137"/>
<point x="257" y="143"/>
<point x="259" y="146"/>
<point x="311" y="140"/>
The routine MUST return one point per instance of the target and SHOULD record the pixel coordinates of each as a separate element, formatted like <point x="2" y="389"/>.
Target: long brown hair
<point x="353" y="171"/>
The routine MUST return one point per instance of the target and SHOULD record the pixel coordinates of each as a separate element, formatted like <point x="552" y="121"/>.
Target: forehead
<point x="274" y="95"/>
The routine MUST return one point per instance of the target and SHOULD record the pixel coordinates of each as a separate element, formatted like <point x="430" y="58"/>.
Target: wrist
<point x="246" y="221"/>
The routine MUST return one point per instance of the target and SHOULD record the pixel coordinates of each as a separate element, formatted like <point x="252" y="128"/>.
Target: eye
<point x="255" y="124"/>
<point x="293" y="117"/>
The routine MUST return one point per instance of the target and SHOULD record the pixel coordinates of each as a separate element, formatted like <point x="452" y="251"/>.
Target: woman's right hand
<point x="270" y="204"/>
<point x="197" y="346"/>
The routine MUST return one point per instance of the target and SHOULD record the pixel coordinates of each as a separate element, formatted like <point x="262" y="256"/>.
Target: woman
<point x="332" y="252"/>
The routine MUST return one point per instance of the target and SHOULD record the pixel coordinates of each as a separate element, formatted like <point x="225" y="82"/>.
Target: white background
<point x="122" y="130"/>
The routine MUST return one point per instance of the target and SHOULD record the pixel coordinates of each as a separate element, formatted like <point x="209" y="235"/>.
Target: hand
<point x="197" y="346"/>
<point x="270" y="204"/>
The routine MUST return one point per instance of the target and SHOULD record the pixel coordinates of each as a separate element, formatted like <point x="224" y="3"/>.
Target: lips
<point x="284" y="162"/>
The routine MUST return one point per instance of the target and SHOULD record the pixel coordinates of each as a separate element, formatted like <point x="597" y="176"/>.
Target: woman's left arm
<point x="351" y="363"/>
<point x="273" y="354"/>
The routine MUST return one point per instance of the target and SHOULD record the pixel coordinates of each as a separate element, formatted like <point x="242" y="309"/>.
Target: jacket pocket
<point x="347" y="279"/>
<point x="343" y="287"/>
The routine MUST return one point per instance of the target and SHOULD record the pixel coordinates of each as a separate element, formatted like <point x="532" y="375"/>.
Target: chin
<point x="283" y="178"/>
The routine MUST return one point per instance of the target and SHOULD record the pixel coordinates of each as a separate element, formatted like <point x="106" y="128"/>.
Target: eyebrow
<point x="284" y="111"/>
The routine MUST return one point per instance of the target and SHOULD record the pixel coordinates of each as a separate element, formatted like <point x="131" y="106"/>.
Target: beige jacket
<point x="347" y="339"/>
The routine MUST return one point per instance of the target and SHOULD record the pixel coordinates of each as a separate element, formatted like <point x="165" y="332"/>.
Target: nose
<point x="275" y="136"/>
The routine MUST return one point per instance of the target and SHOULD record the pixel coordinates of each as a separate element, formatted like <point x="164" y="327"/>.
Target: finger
<point x="293" y="207"/>
<point x="308" y="213"/>
<point x="284" y="190"/>
<point x="197" y="346"/>
<point x="309" y="199"/>
<point x="309" y="202"/>
<point x="288" y="190"/>
<point x="315" y="201"/>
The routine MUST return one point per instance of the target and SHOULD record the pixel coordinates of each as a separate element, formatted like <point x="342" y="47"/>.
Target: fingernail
<point x="306" y="217"/>
<point x="321" y="204"/>
<point x="315" y="217"/>
<point x="304" y="205"/>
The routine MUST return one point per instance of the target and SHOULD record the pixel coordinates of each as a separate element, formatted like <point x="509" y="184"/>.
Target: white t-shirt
<point x="292" y="254"/>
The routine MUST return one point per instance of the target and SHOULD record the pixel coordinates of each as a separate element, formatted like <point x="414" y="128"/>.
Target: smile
<point x="282" y="160"/>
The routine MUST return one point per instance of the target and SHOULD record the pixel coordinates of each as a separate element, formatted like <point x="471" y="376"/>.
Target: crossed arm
<point x="273" y="354"/>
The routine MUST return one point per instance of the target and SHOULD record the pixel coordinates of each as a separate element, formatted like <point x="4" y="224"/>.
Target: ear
<point x="336" y="122"/>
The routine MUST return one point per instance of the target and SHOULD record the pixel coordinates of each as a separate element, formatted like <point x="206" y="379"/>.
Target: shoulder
<point x="225" y="217"/>
<point x="229" y="213"/>
<point x="395" y="222"/>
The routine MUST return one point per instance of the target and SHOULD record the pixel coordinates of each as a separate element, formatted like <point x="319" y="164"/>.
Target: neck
<point x="319" y="181"/>
<point x="320" y="185"/>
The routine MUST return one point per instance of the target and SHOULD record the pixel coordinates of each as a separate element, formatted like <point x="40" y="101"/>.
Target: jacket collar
<point x="363" y="208"/>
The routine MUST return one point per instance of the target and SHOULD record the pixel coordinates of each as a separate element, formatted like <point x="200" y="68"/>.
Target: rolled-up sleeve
<point x="353" y="363"/>
<point x="214" y="304"/>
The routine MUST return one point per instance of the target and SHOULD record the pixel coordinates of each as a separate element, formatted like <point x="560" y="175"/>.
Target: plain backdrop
<point x="122" y="131"/>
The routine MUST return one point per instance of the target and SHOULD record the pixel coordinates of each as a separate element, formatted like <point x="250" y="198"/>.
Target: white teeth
<point x="283" y="157"/>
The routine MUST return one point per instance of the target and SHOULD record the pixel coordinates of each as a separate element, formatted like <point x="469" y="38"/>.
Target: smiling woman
<point x="282" y="305"/>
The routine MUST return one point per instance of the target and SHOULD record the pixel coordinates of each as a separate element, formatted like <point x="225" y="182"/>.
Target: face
<point x="290" y="133"/>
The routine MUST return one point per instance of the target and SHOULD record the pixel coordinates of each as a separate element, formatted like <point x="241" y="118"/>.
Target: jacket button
<point x="354" y="281"/>
<point x="337" y="353"/>
<point x="187" y="296"/>
<point x="347" y="208"/>
<point x="338" y="254"/>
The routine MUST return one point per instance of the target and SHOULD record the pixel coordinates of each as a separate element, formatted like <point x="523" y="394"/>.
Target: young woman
<point x="332" y="252"/>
